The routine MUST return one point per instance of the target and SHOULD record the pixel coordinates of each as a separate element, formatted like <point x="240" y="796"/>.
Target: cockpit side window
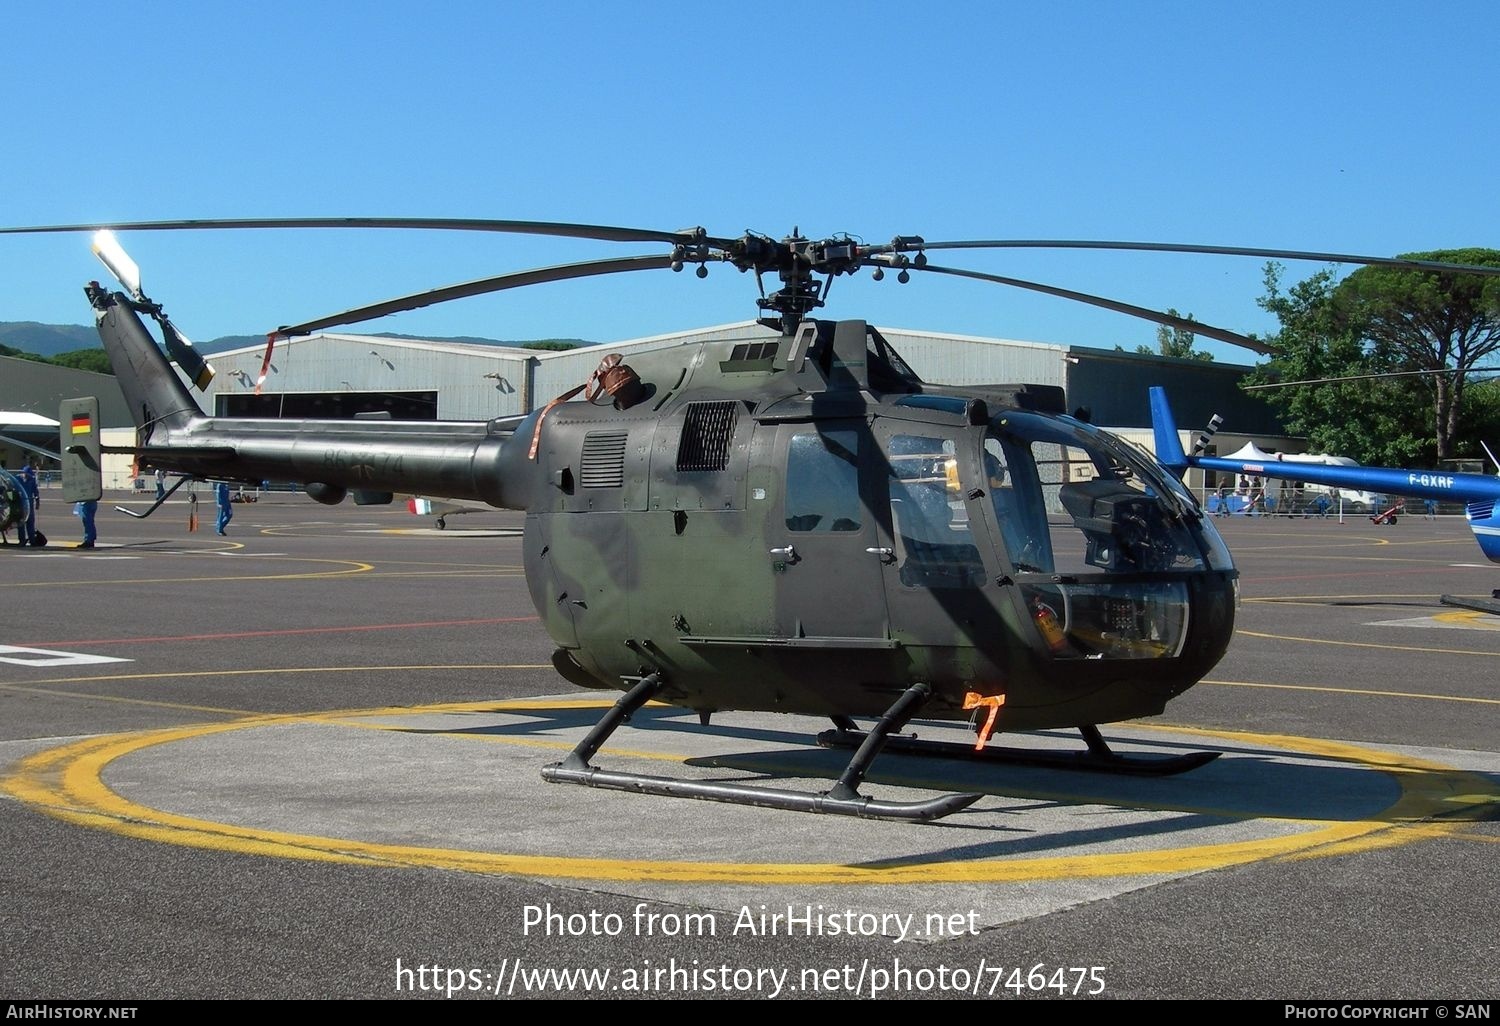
<point x="934" y="544"/>
<point x="1015" y="492"/>
<point x="822" y="481"/>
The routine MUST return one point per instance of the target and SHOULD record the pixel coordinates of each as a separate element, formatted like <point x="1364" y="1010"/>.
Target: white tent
<point x="1252" y="453"/>
<point x="1328" y="461"/>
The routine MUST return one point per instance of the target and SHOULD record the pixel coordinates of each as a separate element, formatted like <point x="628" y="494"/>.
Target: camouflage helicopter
<point x="15" y="504"/>
<point x="795" y="524"/>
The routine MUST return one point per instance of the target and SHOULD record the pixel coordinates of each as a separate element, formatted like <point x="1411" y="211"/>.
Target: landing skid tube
<point x="843" y="799"/>
<point x="157" y="504"/>
<point x="1477" y="604"/>
<point x="1098" y="759"/>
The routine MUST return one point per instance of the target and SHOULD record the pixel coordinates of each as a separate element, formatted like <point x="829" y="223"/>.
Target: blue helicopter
<point x="1478" y="492"/>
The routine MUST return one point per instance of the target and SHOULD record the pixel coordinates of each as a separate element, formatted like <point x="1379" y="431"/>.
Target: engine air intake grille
<point x="706" y="434"/>
<point x="603" y="464"/>
<point x="752" y="352"/>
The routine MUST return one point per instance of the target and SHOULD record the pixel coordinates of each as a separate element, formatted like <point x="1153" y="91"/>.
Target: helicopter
<point x="794" y="524"/>
<point x="15" y="504"/>
<point x="1479" y="493"/>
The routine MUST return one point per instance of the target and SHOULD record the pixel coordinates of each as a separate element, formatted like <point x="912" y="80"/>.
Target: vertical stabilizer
<point x="155" y="394"/>
<point x="1164" y="428"/>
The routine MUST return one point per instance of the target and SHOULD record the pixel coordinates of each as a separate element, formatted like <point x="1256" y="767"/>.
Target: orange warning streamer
<point x="993" y="702"/>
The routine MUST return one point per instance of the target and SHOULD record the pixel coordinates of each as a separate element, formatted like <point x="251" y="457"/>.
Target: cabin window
<point x="934" y="545"/>
<point x="822" y="481"/>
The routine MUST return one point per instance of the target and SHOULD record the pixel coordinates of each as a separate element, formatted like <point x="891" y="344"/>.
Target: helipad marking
<point x="50" y="657"/>
<point x="1366" y="692"/>
<point x="1366" y="644"/>
<point x="349" y="566"/>
<point x="1468" y="620"/>
<point x="67" y="783"/>
<point x="433" y="532"/>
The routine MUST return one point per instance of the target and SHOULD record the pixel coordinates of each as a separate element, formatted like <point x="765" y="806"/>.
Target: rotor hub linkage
<point x="798" y="261"/>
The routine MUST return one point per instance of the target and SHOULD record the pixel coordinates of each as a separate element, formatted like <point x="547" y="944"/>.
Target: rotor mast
<point x="797" y="261"/>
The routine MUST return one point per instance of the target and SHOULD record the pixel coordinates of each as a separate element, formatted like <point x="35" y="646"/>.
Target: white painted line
<point x="48" y="657"/>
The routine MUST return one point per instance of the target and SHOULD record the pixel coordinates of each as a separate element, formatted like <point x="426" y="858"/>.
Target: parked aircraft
<point x="1478" y="492"/>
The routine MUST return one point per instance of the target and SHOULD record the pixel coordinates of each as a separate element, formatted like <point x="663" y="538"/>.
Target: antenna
<point x="1200" y="444"/>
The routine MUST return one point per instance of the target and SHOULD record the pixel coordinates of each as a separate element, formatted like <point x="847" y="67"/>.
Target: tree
<point x="1479" y="420"/>
<point x="1434" y="321"/>
<point x="95" y="360"/>
<point x="1175" y="342"/>
<point x="1375" y="421"/>
<point x="21" y="354"/>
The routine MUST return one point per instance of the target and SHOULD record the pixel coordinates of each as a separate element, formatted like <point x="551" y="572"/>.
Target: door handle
<point x="788" y="553"/>
<point x="886" y="555"/>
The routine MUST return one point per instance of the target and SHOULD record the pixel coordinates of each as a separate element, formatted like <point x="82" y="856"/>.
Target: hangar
<point x="338" y="375"/>
<point x="330" y="374"/>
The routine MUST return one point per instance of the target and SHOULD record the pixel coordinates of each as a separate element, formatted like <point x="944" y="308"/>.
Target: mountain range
<point x="52" y="339"/>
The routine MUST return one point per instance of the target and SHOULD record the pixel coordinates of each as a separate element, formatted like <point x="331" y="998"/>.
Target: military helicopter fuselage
<point x="15" y="504"/>
<point x="792" y="524"/>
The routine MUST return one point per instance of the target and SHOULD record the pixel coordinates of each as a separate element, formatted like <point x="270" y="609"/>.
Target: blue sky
<point x="1343" y="127"/>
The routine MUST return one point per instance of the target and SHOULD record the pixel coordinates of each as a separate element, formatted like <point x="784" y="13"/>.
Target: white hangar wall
<point x="470" y="382"/>
<point x="478" y="382"/>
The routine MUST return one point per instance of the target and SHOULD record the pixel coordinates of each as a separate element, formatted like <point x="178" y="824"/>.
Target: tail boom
<point x="468" y="460"/>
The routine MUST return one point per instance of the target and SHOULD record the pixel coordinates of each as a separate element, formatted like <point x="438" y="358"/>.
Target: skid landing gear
<point x="843" y="799"/>
<point x="1097" y="759"/>
<point x="1481" y="605"/>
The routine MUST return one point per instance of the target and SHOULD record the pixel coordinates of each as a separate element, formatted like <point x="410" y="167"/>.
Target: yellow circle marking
<point x="349" y="566"/>
<point x="1323" y="600"/>
<point x="67" y="783"/>
<point x="1368" y="692"/>
<point x="1471" y="618"/>
<point x="1366" y="644"/>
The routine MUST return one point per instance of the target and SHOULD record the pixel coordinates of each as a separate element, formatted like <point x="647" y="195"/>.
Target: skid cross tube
<point x="843" y="799"/>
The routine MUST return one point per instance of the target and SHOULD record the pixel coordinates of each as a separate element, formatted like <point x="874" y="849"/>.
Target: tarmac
<point x="302" y="759"/>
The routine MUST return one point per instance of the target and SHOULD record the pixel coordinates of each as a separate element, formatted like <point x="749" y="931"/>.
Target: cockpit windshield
<point x="1101" y="539"/>
<point x="1071" y="499"/>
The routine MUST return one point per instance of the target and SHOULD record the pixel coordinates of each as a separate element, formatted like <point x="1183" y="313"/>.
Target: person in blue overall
<point x="226" y="508"/>
<point x="26" y="535"/>
<point x="86" y="511"/>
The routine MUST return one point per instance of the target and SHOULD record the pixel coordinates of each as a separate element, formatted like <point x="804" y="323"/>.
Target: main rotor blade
<point x="577" y="231"/>
<point x="499" y="283"/>
<point x="1174" y="247"/>
<point x="1196" y="327"/>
